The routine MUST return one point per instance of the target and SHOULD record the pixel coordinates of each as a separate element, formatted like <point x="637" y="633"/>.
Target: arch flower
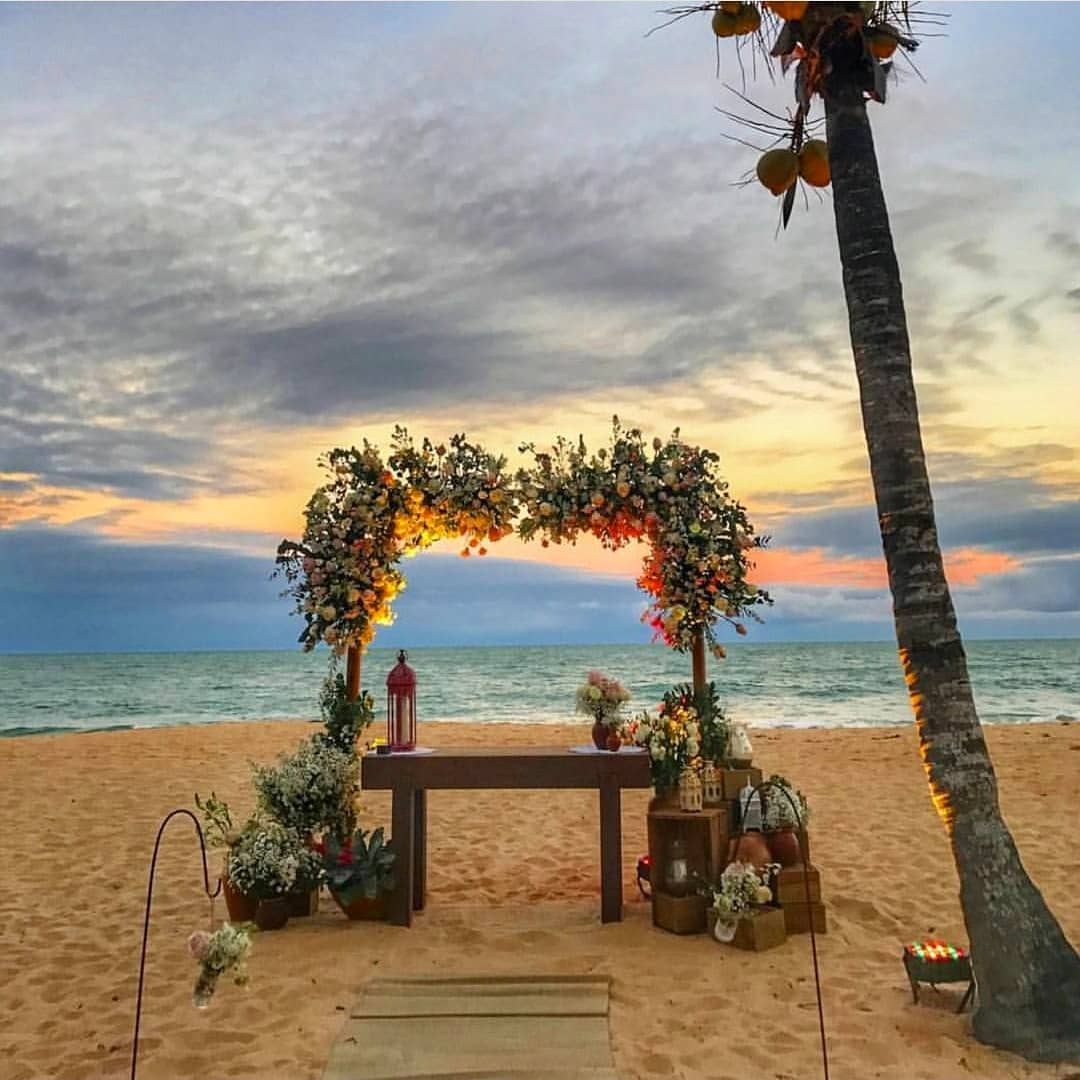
<point x="345" y="571"/>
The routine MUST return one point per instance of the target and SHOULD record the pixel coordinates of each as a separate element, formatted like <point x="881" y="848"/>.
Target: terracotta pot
<point x="241" y="908"/>
<point x="784" y="847"/>
<point x="599" y="735"/>
<point x="363" y="907"/>
<point x="303" y="904"/>
<point x="272" y="914"/>
<point x="750" y="848"/>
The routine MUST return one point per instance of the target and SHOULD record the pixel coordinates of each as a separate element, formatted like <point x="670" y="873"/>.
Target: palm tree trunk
<point x="1028" y="974"/>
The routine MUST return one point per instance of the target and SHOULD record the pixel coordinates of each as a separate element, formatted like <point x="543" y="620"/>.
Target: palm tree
<point x="1027" y="972"/>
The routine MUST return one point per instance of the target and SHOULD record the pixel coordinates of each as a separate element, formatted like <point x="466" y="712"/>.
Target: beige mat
<point x="540" y="1028"/>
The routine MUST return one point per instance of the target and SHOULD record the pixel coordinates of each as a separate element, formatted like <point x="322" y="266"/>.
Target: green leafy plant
<point x="218" y="825"/>
<point x="343" y="718"/>
<point x="362" y="867"/>
<point x="713" y="727"/>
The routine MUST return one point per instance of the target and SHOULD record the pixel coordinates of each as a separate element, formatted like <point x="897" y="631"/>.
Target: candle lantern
<point x="401" y="705"/>
<point x="677" y="869"/>
<point x="690" y="793"/>
<point x="712" y="782"/>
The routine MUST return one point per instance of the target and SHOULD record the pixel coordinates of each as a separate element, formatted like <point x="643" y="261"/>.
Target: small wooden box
<point x="679" y="914"/>
<point x="704" y="833"/>
<point x="765" y="929"/>
<point x="736" y="779"/>
<point x="791" y="885"/>
<point x="798" y="918"/>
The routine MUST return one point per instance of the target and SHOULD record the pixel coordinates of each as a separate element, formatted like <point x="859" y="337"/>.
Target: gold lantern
<point x="712" y="781"/>
<point x="690" y="791"/>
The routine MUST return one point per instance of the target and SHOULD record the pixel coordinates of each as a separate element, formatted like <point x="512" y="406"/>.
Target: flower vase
<point x="302" y="904"/>
<point x="665" y="798"/>
<point x="241" y="908"/>
<point x="751" y="848"/>
<point x="784" y="846"/>
<point x="600" y="735"/>
<point x="272" y="914"/>
<point x="363" y="907"/>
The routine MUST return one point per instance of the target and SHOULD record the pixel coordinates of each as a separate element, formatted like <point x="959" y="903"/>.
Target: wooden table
<point x="411" y="776"/>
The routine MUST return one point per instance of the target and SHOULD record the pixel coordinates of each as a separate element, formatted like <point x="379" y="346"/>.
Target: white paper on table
<point x="594" y="750"/>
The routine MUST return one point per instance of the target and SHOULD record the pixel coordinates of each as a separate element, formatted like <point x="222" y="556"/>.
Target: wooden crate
<point x="679" y="914"/>
<point x="736" y="779"/>
<point x="704" y="834"/>
<point x="798" y="918"/>
<point x="764" y="929"/>
<point x="791" y="885"/>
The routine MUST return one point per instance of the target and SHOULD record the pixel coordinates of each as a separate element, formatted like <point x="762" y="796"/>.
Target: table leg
<point x="419" y="849"/>
<point x="610" y="849"/>
<point x="403" y="840"/>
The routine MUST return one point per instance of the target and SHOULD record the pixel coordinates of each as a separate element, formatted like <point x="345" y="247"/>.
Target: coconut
<point x="778" y="169"/>
<point x="882" y="40"/>
<point x="814" y="163"/>
<point x="747" y="19"/>
<point x="723" y="24"/>
<point x="787" y="10"/>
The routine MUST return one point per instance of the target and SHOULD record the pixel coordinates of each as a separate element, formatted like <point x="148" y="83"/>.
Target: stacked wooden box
<point x="706" y="836"/>
<point x="798" y="891"/>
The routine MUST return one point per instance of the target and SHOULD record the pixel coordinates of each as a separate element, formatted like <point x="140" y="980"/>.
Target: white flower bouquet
<point x="785" y="808"/>
<point x="742" y="887"/>
<point x="311" y="790"/>
<point x="265" y="861"/>
<point x="226" y="949"/>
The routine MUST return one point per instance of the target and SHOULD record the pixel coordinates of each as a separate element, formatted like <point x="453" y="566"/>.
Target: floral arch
<point x="345" y="571"/>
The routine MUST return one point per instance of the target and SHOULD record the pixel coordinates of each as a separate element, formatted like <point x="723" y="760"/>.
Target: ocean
<point x="769" y="685"/>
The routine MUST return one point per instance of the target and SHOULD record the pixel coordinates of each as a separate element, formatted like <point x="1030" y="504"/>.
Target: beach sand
<point x="513" y="886"/>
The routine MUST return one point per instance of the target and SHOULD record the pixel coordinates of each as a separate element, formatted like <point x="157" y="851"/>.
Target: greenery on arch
<point x="371" y="513"/>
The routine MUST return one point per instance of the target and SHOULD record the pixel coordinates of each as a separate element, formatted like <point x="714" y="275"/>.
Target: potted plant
<point x="220" y="832"/>
<point x="742" y="890"/>
<point x="304" y="898"/>
<point x="263" y="865"/>
<point x="311" y="790"/>
<point x="784" y="817"/>
<point x="359" y="873"/>
<point x="602" y="698"/>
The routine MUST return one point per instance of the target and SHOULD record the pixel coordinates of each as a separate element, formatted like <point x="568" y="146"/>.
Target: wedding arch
<point x="372" y="512"/>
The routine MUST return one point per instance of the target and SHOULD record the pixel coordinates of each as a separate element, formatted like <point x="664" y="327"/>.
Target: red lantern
<point x="401" y="706"/>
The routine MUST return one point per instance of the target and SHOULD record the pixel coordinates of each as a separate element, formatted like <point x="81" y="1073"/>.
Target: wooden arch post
<point x="698" y="657"/>
<point x="353" y="664"/>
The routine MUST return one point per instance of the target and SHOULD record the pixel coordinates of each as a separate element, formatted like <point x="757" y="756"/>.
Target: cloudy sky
<point x="234" y="236"/>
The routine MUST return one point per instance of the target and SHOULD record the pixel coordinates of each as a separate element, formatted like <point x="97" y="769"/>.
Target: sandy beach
<point x="513" y="888"/>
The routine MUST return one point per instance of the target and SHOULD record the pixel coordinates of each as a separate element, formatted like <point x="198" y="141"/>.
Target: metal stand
<point x="146" y="917"/>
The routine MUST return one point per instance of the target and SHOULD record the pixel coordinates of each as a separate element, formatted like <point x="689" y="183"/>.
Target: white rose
<point x="762" y="894"/>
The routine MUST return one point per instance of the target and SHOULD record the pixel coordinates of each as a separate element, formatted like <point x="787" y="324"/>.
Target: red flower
<point x="345" y="857"/>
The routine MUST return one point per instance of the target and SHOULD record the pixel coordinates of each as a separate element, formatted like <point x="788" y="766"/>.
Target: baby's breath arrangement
<point x="311" y="790"/>
<point x="265" y="861"/>
<point x="741" y="888"/>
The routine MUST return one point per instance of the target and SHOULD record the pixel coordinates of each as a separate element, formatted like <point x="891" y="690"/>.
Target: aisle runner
<point x="540" y="1028"/>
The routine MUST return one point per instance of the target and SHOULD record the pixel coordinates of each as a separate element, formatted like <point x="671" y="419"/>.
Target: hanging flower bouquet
<point x="602" y="698"/>
<point x="226" y="949"/>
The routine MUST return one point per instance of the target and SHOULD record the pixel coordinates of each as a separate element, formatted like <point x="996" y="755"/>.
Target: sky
<point x="234" y="236"/>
